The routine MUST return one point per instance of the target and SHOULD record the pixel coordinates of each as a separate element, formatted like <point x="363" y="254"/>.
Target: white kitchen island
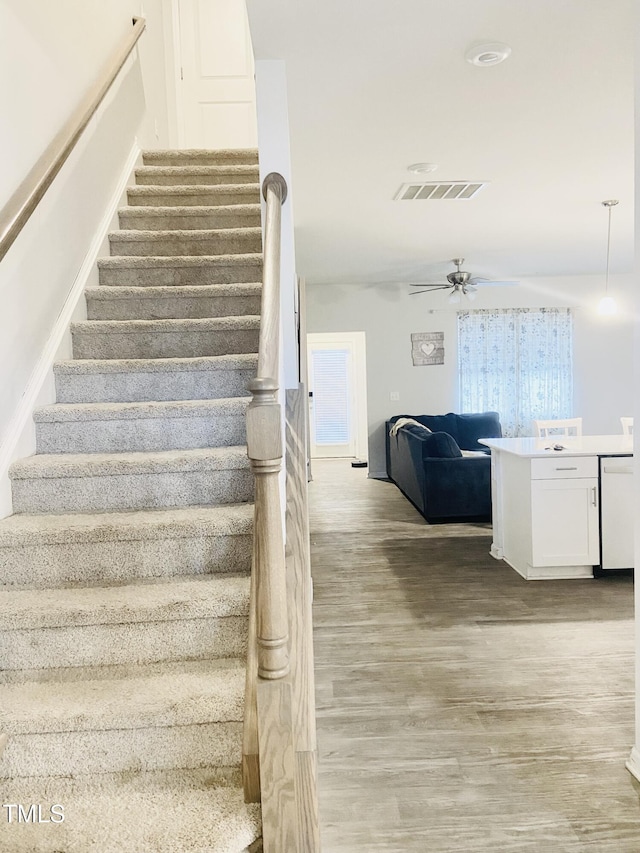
<point x="547" y="513"/>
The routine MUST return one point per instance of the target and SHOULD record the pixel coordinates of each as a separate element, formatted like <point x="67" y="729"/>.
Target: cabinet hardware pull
<point x="594" y="501"/>
<point x="567" y="469"/>
<point x="627" y="469"/>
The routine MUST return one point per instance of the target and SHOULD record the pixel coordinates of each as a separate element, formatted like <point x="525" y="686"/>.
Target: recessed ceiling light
<point x="422" y="168"/>
<point x="487" y="54"/>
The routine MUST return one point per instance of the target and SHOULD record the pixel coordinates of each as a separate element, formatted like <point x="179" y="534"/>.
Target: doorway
<point x="337" y="386"/>
<point x="215" y="88"/>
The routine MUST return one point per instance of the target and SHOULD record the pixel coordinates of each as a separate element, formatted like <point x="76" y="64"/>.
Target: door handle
<point x="626" y="469"/>
<point x="594" y="499"/>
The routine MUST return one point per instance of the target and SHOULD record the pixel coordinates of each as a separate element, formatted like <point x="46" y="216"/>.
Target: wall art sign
<point x="427" y="348"/>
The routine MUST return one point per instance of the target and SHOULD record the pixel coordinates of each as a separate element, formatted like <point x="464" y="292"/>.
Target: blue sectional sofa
<point x="429" y="467"/>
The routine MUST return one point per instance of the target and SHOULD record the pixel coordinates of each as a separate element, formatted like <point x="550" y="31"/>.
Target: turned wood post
<point x="264" y="440"/>
<point x="265" y="449"/>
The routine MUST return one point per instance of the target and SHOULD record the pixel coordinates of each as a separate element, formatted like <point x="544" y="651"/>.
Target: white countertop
<point x="586" y="445"/>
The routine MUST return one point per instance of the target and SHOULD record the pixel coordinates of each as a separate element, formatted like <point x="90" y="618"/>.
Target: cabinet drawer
<point x="564" y="467"/>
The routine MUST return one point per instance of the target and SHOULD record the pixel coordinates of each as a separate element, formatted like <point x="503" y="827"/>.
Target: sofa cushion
<point x="436" y="445"/>
<point x="471" y="427"/>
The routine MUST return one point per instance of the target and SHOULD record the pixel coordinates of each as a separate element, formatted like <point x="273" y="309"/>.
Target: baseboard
<point x="633" y="763"/>
<point x="378" y="475"/>
<point x="551" y="573"/>
<point x="19" y="438"/>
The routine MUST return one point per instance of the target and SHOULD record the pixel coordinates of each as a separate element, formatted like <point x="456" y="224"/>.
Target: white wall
<point x="52" y="53"/>
<point x="388" y="314"/>
<point x="273" y="143"/>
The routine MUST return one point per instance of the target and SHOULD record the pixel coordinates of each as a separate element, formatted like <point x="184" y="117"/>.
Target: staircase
<point x="125" y="568"/>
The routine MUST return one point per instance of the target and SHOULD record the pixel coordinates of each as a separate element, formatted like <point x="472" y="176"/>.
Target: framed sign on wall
<point x="427" y="348"/>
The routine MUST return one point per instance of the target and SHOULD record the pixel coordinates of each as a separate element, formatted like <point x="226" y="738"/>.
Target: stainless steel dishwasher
<point x="616" y="512"/>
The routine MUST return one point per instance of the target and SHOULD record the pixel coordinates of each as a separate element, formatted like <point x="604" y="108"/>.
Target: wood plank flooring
<point x="461" y="708"/>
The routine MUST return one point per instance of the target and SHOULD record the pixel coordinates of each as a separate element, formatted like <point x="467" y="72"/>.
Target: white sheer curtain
<point x="517" y="362"/>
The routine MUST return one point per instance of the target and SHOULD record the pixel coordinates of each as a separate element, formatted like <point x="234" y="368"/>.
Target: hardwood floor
<point x="461" y="708"/>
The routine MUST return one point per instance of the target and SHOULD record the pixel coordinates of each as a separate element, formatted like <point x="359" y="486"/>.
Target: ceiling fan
<point x="460" y="283"/>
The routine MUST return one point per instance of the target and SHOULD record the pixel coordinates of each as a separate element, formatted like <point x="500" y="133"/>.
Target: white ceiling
<point x="374" y="86"/>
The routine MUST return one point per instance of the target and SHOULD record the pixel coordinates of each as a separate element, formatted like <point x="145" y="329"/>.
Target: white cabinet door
<point x="565" y="522"/>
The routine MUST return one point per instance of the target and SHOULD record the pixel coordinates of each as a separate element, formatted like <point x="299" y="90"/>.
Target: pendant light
<point x="607" y="305"/>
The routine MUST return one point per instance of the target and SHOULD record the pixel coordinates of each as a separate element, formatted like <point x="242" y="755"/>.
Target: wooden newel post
<point x="264" y="444"/>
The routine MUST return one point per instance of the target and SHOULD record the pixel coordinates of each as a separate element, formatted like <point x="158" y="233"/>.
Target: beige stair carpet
<point x="124" y="571"/>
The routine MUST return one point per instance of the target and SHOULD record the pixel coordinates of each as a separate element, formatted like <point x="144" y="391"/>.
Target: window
<point x="517" y="362"/>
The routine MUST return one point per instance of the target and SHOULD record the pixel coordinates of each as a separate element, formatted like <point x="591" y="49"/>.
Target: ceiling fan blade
<point x="427" y="284"/>
<point x="431" y="289"/>
<point x="486" y="282"/>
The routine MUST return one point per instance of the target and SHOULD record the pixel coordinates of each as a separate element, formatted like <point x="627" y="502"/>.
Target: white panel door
<point x="564" y="516"/>
<point x="217" y="89"/>
<point x="337" y="396"/>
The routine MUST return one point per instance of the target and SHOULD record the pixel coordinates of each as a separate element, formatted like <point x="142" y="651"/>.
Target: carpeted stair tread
<point x="207" y="695"/>
<point x="140" y="379"/>
<point x="166" y="338"/>
<point x="189" y="217"/>
<point x="205" y="242"/>
<point x="176" y="302"/>
<point x="184" y="326"/>
<point x="44" y="550"/>
<point x="55" y="465"/>
<point x="65" y="412"/>
<point x="198" y="174"/>
<point x="156" y="600"/>
<point x="205" y="156"/>
<point x="132" y="480"/>
<point x="171" y="270"/>
<point x="177" y="523"/>
<point x="88" y="366"/>
<point x="188" y="291"/>
<point x="193" y="194"/>
<point x="170" y="811"/>
<point x="114" y="671"/>
<point x="161" y="261"/>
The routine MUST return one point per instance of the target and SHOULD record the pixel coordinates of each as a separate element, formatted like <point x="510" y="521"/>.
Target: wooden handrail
<point x="274" y="190"/>
<point x="17" y="211"/>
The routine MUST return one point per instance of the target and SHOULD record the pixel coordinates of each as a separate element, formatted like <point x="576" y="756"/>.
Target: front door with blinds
<point x="336" y="394"/>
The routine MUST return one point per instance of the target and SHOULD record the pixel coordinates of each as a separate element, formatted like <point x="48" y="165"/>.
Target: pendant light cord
<point x="606" y="281"/>
<point x="609" y="205"/>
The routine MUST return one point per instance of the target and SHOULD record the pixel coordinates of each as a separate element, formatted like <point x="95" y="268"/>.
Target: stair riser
<point x="137" y="387"/>
<point x="184" y="179"/>
<point x="176" y="276"/>
<point x="136" y="642"/>
<point x="178" y="222"/>
<point x="224" y="157"/>
<point x="94" y="562"/>
<point x="131" y="491"/>
<point x="161" y="748"/>
<point x="168" y="308"/>
<point x="232" y="243"/>
<point x="203" y="197"/>
<point x="141" y="434"/>
<point x="95" y="344"/>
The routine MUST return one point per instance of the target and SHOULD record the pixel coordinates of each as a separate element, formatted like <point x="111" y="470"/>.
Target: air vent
<point x="455" y="190"/>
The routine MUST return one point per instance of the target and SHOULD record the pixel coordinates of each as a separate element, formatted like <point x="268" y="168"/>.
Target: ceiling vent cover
<point x="439" y="191"/>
